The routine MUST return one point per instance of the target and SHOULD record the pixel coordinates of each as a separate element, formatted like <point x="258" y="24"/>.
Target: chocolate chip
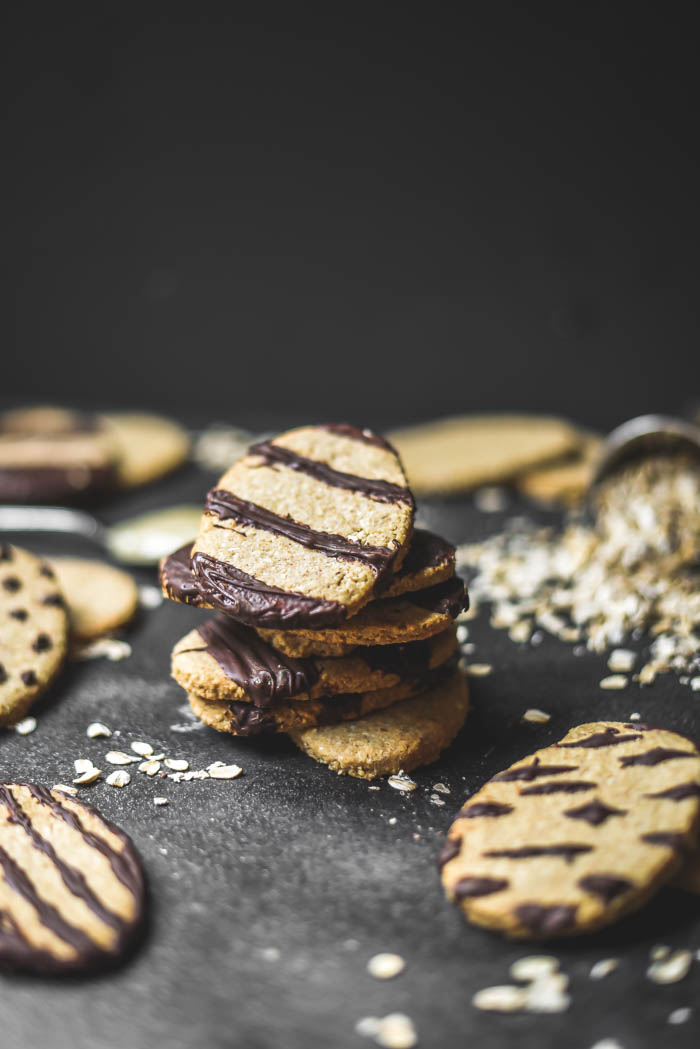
<point x="12" y="583"/>
<point x="48" y="572"/>
<point x="3" y="675"/>
<point x="19" y="613"/>
<point x="656" y="756"/>
<point x="546" y="921"/>
<point x="487" y="809"/>
<point x="468" y="887"/>
<point x="55" y="600"/>
<point x="5" y="552"/>
<point x="595" y="813"/>
<point x="43" y="643"/>
<point x="448" y="852"/>
<point x="605" y="886"/>
<point x="29" y="677"/>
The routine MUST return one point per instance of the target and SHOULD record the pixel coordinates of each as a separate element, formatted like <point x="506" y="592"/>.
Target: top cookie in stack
<point x="333" y="606"/>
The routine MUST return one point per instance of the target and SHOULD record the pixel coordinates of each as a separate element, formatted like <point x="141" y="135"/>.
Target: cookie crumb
<point x="96" y="729"/>
<point x="393" y="821"/>
<point x="436" y="799"/>
<point x="539" y="717"/>
<point x="603" y="968"/>
<point x="400" y="781"/>
<point x="614" y="682"/>
<point x="118" y="778"/>
<point x="25" y="726"/>
<point x="695" y="684"/>
<point x="104" y="647"/>
<point x="385" y="966"/>
<point x="622" y="660"/>
<point x="670" y="969"/>
<point x="680" y="1016"/>
<point x="441" y="788"/>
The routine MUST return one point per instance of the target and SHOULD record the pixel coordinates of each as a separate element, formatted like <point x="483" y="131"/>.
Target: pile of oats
<point x="631" y="574"/>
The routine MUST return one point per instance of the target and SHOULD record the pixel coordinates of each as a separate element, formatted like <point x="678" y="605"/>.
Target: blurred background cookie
<point x="99" y="598"/>
<point x="148" y="446"/>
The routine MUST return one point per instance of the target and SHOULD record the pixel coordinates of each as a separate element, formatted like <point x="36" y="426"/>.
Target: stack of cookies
<point x="335" y="618"/>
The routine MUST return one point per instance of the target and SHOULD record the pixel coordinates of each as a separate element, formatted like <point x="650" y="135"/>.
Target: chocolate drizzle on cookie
<point x="605" y="886"/>
<point x="530" y="772"/>
<point x="607" y="738"/>
<point x="679" y="793"/>
<point x="468" y="887"/>
<point x="656" y="756"/>
<point x="176" y="577"/>
<point x="566" y="851"/>
<point x="448" y="598"/>
<point x="595" y="813"/>
<point x="562" y="786"/>
<point x="543" y="920"/>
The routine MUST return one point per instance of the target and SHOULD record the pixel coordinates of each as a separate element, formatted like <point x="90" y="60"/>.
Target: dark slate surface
<point x="269" y="893"/>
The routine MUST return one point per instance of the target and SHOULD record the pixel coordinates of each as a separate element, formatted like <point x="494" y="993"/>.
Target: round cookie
<point x="576" y="835"/>
<point x="148" y="446"/>
<point x="100" y="598"/>
<point x="71" y="885"/>
<point x="430" y="560"/>
<point x="455" y="454"/>
<point x="412" y="617"/>
<point x="245" y="719"/>
<point x="224" y="660"/>
<point x="406" y="735"/>
<point x="565" y="481"/>
<point x="33" y="630"/>
<point x="51" y="455"/>
<point x="302" y="531"/>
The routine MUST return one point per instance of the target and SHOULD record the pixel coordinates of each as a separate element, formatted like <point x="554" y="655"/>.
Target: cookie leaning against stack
<point x="332" y="611"/>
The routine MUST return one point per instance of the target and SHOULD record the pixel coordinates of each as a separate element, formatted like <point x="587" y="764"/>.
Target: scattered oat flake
<point x="436" y="799"/>
<point x="622" y="660"/>
<point x="603" y="968"/>
<point x="479" y="669"/>
<point x="151" y="768"/>
<point x="97" y="729"/>
<point x="393" y="821"/>
<point x="385" y="966"/>
<point x="537" y="716"/>
<point x="680" y="1016"/>
<point x="224" y="772"/>
<point x="504" y="999"/>
<point x="180" y="765"/>
<point x="395" y="1031"/>
<point x="119" y="778"/>
<point x="635" y="716"/>
<point x="150" y="596"/>
<point x="491" y="499"/>
<point x="534" y="966"/>
<point x="671" y="969"/>
<point x="695" y="684"/>
<point x="607" y="1043"/>
<point x="548" y="995"/>
<point x="441" y="788"/>
<point x="614" y="682"/>
<point x="82" y="765"/>
<point x="89" y="776"/>
<point x="144" y="750"/>
<point x="462" y="633"/>
<point x="65" y="788"/>
<point x="661" y="950"/>
<point x="400" y="781"/>
<point x="104" y="647"/>
<point x="118" y="757"/>
<point x="160" y="801"/>
<point x="25" y="726"/>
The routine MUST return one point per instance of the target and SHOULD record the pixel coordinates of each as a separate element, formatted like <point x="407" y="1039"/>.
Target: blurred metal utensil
<point x="642" y="436"/>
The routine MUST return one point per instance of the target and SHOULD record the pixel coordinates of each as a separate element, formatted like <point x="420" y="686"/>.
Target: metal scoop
<point x="645" y="435"/>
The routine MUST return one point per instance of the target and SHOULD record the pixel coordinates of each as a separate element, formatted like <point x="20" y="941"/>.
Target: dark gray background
<point x="357" y="211"/>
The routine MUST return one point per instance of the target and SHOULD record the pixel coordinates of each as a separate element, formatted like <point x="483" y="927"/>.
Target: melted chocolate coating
<point x="266" y="675"/>
<point x="448" y="598"/>
<point x="176" y="577"/>
<point x="255" y="603"/>
<point x="427" y="550"/>
<point x="605" y="886"/>
<point x="228" y="506"/>
<point x="546" y="920"/>
<point x="381" y="491"/>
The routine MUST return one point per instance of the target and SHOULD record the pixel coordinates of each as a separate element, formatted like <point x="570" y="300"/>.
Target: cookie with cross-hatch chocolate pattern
<point x="33" y="630"/>
<point x="225" y="660"/>
<point x="71" y="885"/>
<point x="576" y="835"/>
<point x="430" y="560"/>
<point x="305" y="529"/>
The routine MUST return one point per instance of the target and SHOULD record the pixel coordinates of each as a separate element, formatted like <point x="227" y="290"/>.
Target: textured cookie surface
<point x="430" y="560"/>
<point x="33" y="630"/>
<point x="414" y="616"/>
<point x="71" y="886"/>
<point x="53" y="455"/>
<point x="577" y="834"/>
<point x="460" y="453"/>
<point x="100" y="598"/>
<point x="225" y="660"/>
<point x="406" y="735"/>
<point x="304" y="529"/>
<point x="245" y="719"/>
<point x="147" y="446"/>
